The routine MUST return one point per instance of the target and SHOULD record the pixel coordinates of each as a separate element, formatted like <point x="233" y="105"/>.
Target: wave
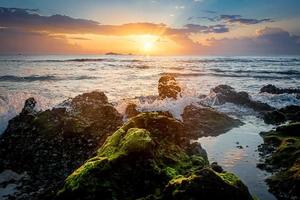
<point x="242" y="60"/>
<point x="229" y="75"/>
<point x="11" y="78"/>
<point x="77" y="60"/>
<point x="288" y="72"/>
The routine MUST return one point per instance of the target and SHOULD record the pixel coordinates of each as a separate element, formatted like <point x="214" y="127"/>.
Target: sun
<point x="148" y="45"/>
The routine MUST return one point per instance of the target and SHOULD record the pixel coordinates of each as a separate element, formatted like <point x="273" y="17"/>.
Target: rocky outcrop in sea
<point x="85" y="149"/>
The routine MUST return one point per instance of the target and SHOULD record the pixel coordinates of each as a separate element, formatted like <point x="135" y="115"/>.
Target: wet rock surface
<point x="168" y="87"/>
<point x="49" y="145"/>
<point x="225" y="93"/>
<point x="203" y="121"/>
<point x="282" y="115"/>
<point x="272" y="89"/>
<point x="149" y="157"/>
<point x="281" y="153"/>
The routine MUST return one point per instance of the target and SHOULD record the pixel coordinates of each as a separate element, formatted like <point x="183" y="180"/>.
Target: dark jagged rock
<point x="201" y="122"/>
<point x="29" y="106"/>
<point x="282" y="115"/>
<point x="272" y="89"/>
<point x="147" y="158"/>
<point x="281" y="150"/>
<point x="49" y="145"/>
<point x="168" y="87"/>
<point x="225" y="93"/>
<point x="216" y="167"/>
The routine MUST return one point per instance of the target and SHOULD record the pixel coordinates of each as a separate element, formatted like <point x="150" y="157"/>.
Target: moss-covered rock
<point x="49" y="145"/>
<point x="206" y="184"/>
<point x="282" y="156"/>
<point x="149" y="157"/>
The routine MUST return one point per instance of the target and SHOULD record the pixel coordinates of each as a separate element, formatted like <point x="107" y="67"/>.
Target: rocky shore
<point x="83" y="149"/>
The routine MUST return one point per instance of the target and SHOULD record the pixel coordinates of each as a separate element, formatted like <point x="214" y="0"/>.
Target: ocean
<point x="52" y="79"/>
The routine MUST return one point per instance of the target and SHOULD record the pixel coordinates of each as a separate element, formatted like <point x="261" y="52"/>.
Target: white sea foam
<point x="277" y="100"/>
<point x="12" y="103"/>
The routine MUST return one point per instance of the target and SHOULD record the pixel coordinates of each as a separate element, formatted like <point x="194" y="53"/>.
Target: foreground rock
<point x="272" y="89"/>
<point x="282" y="115"/>
<point x="150" y="158"/>
<point x="281" y="150"/>
<point x="49" y="145"/>
<point x="225" y="93"/>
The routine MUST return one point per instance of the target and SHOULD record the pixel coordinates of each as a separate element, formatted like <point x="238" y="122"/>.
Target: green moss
<point x="285" y="159"/>
<point x="122" y="143"/>
<point x="82" y="177"/>
<point x="230" y="178"/>
<point x="138" y="161"/>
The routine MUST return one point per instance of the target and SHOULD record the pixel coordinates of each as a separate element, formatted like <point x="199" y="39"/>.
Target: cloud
<point x="23" y="18"/>
<point x="18" y="41"/>
<point x="232" y="19"/>
<point x="239" y="19"/>
<point x="268" y="41"/>
<point x="196" y="28"/>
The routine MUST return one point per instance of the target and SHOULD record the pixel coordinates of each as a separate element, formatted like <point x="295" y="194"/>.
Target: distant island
<point x="118" y="54"/>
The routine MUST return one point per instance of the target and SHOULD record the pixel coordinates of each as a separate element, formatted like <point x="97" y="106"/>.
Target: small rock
<point x="168" y="87"/>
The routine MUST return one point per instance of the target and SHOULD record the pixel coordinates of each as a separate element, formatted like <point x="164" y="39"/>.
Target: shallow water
<point x="52" y="79"/>
<point x="241" y="161"/>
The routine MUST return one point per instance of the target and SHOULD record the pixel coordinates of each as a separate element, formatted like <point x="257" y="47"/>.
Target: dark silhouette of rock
<point x="168" y="87"/>
<point x="216" y="167"/>
<point x="225" y="93"/>
<point x="49" y="145"/>
<point x="272" y="89"/>
<point x="291" y="112"/>
<point x="29" y="106"/>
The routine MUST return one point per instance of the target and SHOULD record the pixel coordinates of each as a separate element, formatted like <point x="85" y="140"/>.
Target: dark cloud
<point x="18" y="41"/>
<point x="219" y="28"/>
<point x="239" y="19"/>
<point x="209" y="11"/>
<point x="268" y="41"/>
<point x="28" y="19"/>
<point x="232" y="19"/>
<point x="25" y="19"/>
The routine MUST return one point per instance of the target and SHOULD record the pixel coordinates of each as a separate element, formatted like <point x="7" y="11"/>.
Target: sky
<point x="152" y="27"/>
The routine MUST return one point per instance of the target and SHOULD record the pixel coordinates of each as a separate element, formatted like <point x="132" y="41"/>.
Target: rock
<point x="216" y="167"/>
<point x="225" y="93"/>
<point x="131" y="110"/>
<point x="147" y="159"/>
<point x="272" y="89"/>
<point x="49" y="145"/>
<point x="29" y="107"/>
<point x="203" y="121"/>
<point x="281" y="150"/>
<point x="291" y="112"/>
<point x="206" y="184"/>
<point x="168" y="87"/>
